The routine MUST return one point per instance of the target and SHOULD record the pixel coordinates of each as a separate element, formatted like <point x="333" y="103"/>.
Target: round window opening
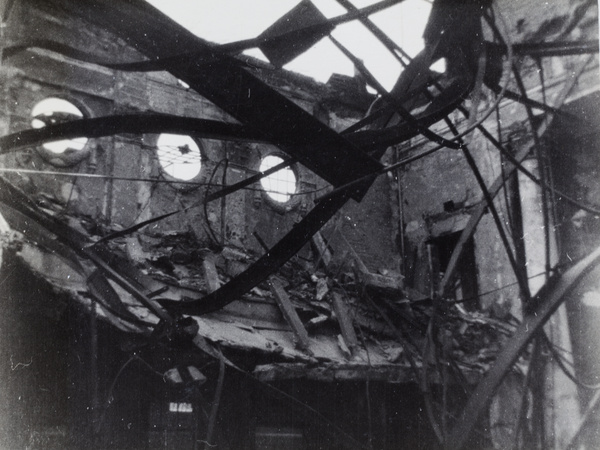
<point x="179" y="156"/>
<point x="281" y="185"/>
<point x="52" y="111"/>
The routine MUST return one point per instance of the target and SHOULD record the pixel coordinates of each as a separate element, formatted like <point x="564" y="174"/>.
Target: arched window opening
<point x="53" y="110"/>
<point x="179" y="156"/>
<point x="281" y="185"/>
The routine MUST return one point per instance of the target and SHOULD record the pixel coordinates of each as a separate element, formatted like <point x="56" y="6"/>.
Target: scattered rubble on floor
<point x="303" y="321"/>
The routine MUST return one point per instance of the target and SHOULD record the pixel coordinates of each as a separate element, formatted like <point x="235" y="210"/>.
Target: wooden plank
<point x="321" y="246"/>
<point x="289" y="313"/>
<point x="345" y="321"/>
<point x="210" y="273"/>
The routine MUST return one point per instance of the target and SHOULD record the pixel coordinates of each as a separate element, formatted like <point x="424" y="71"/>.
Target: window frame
<point x="65" y="158"/>
<point x="294" y="199"/>
<point x="178" y="183"/>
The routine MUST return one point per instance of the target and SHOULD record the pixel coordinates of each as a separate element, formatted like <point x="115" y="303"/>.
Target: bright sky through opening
<point x="280" y="185"/>
<point x="223" y="21"/>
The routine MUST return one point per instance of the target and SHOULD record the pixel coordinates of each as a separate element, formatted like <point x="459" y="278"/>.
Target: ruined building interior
<point x="203" y="249"/>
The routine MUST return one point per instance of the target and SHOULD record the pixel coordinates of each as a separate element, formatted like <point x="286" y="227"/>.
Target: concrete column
<point x="561" y="400"/>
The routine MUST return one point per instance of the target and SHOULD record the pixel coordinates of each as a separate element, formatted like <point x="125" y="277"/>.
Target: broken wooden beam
<point x="289" y="313"/>
<point x="210" y="272"/>
<point x="324" y="253"/>
<point x="343" y="316"/>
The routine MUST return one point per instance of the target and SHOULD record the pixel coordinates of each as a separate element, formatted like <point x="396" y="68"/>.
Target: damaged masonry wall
<point x="437" y="194"/>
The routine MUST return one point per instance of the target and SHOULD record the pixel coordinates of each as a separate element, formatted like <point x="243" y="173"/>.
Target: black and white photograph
<point x="299" y="225"/>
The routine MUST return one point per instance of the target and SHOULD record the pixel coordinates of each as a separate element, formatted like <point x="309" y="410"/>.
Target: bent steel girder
<point x="262" y="109"/>
<point x="207" y="56"/>
<point x="288" y="246"/>
<point x="129" y="123"/>
<point x="539" y="308"/>
<point x="368" y="141"/>
<point x="544" y="304"/>
<point x="318" y="28"/>
<point x="125" y="275"/>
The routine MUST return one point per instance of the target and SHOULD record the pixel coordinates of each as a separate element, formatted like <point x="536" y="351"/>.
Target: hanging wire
<point x="111" y="389"/>
<point x="522" y="415"/>
<point x="548" y="165"/>
<point x="224" y="201"/>
<point x="521" y="277"/>
<point x="542" y="169"/>
<point x="492" y="291"/>
<point x="161" y="181"/>
<point x="393" y="47"/>
<point x="507" y="204"/>
<point x="562" y="361"/>
<point x="441" y="430"/>
<point x="519" y="166"/>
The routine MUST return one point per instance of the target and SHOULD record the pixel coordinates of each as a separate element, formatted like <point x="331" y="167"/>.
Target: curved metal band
<point x="287" y="247"/>
<point x="129" y="123"/>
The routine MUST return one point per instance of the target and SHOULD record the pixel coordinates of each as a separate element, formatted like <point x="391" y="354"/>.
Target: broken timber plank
<point x="289" y="313"/>
<point x="210" y="273"/>
<point x="325" y="255"/>
<point x="345" y="321"/>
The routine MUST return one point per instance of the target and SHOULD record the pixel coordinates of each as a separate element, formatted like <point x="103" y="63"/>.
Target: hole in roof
<point x="280" y="185"/>
<point x="179" y="156"/>
<point x="439" y="66"/>
<point x="52" y="111"/>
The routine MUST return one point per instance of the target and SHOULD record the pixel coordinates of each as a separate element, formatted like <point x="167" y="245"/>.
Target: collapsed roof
<point x="295" y="316"/>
